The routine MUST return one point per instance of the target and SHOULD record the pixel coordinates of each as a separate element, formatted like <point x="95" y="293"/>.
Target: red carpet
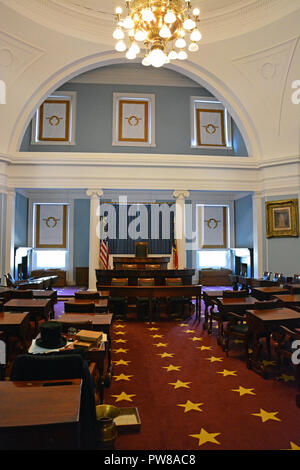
<point x="190" y="396"/>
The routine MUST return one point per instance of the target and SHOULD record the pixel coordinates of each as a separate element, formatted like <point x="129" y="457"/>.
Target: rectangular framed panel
<point x="214" y="233"/>
<point x="210" y="127"/>
<point x="133" y="122"/>
<point x="54" y="121"/>
<point x="282" y="219"/>
<point x="51" y="225"/>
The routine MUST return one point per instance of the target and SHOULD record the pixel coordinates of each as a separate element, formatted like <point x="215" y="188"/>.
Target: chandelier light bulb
<point x="165" y="32"/>
<point x="128" y="23"/>
<point x="172" y="55"/>
<point x="135" y="48"/>
<point x="180" y="43"/>
<point x="196" y="12"/>
<point x="146" y="61"/>
<point x="195" y="35"/>
<point x="193" y="47"/>
<point x="182" y="55"/>
<point x="157" y="57"/>
<point x="147" y="15"/>
<point x="118" y="33"/>
<point x="170" y="17"/>
<point x="140" y="35"/>
<point x="119" y="11"/>
<point x="189" y="24"/>
<point x="120" y="46"/>
<point x="130" y="54"/>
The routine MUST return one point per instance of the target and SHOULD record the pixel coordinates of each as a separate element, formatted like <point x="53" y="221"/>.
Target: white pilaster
<point x="10" y="231"/>
<point x="180" y="231"/>
<point x="257" y="234"/>
<point x="95" y="195"/>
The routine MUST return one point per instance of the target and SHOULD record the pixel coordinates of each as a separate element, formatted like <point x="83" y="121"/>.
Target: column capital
<point x="181" y="193"/>
<point x="93" y="193"/>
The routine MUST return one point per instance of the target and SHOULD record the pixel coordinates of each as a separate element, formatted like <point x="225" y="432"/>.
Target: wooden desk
<point x="104" y="276"/>
<point x="36" y="416"/>
<point x="38" y="283"/>
<point x="14" y="325"/>
<point x="141" y="262"/>
<point x="293" y="287"/>
<point x="266" y="293"/>
<point x="289" y="300"/>
<point x="100" y="323"/>
<point x="36" y="307"/>
<point x="101" y="305"/>
<point x="235" y="304"/>
<point x="193" y="290"/>
<point x="263" y="322"/>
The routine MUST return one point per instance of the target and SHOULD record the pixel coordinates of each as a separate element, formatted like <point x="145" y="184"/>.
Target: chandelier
<point x="166" y="27"/>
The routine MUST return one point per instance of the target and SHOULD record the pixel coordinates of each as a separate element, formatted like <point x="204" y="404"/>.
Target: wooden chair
<point x="267" y="276"/>
<point x="71" y="307"/>
<point x="143" y="303"/>
<point x="118" y="305"/>
<point x="89" y="295"/>
<point x="129" y="266"/>
<point x="152" y="266"/>
<point x="141" y="249"/>
<point x="177" y="304"/>
<point x="278" y="277"/>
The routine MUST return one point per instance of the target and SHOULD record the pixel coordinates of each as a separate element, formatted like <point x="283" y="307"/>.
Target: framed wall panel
<point x="214" y="227"/>
<point x="210" y="127"/>
<point x="54" y="121"/>
<point x="51" y="225"/>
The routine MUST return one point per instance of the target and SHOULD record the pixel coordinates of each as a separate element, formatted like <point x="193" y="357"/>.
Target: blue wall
<point x="243" y="216"/>
<point x="21" y="220"/>
<point x="172" y="119"/>
<point x="81" y="233"/>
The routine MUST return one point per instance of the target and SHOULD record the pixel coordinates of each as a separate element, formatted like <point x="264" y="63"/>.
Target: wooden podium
<point x="161" y="262"/>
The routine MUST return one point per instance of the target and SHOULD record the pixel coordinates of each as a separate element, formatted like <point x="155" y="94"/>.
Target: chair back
<point x="267" y="304"/>
<point x="267" y="276"/>
<point x="235" y="293"/>
<point x="22" y="294"/>
<point x="86" y="295"/>
<point x="278" y="277"/>
<point x="119" y="281"/>
<point x="141" y="249"/>
<point x="146" y="281"/>
<point x="72" y="307"/>
<point x="173" y="281"/>
<point x="10" y="282"/>
<point x="129" y="266"/>
<point x="60" y="366"/>
<point x="152" y="266"/>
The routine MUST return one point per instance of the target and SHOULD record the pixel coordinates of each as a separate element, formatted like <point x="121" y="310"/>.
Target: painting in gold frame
<point x="282" y="219"/>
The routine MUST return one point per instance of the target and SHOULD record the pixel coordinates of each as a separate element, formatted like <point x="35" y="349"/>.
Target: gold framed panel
<point x="198" y="126"/>
<point x="121" y="137"/>
<point x="213" y="222"/>
<point x="38" y="244"/>
<point x="66" y="137"/>
<point x="282" y="218"/>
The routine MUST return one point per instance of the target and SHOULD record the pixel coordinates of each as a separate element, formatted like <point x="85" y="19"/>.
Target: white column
<point x="94" y="195"/>
<point x="257" y="234"/>
<point x="10" y="231"/>
<point x="180" y="232"/>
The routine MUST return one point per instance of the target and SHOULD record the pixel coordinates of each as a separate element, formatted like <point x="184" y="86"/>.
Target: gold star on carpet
<point x="120" y="340"/>
<point x="171" y="367"/>
<point x="189" y="405"/>
<point x="189" y="331"/>
<point x="226" y="372"/>
<point x="122" y="377"/>
<point x="268" y="363"/>
<point x="196" y="338"/>
<point x="203" y="348"/>
<point x="120" y="350"/>
<point x="165" y="354"/>
<point x="214" y="359"/>
<point x="123" y="396"/>
<point x="157" y="336"/>
<point x="183" y="324"/>
<point x="120" y="333"/>
<point x="121" y="363"/>
<point x="179" y="384"/>
<point x="293" y="446"/>
<point x="243" y="391"/>
<point x="153" y="328"/>
<point x="119" y="326"/>
<point x="205" y="436"/>
<point x="265" y="415"/>
<point x="161" y="345"/>
<point x="286" y="377"/>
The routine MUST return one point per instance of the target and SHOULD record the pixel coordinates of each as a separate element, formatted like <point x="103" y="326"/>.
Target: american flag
<point x="104" y="254"/>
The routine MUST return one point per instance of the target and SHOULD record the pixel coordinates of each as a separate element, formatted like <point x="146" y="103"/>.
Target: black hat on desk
<point x="51" y="337"/>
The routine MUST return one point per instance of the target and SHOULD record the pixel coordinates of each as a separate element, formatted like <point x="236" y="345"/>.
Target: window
<point x="54" y="121"/>
<point x="44" y="259"/>
<point x="134" y="119"/>
<point x="213" y="259"/>
<point x="211" y="123"/>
